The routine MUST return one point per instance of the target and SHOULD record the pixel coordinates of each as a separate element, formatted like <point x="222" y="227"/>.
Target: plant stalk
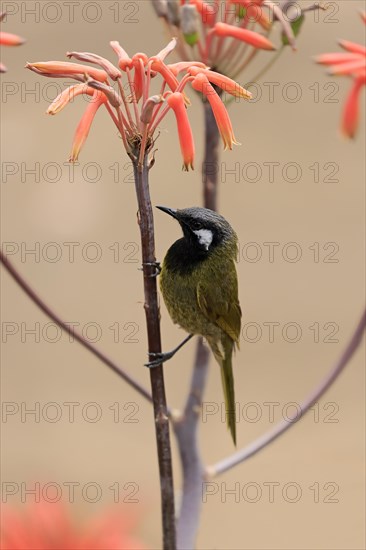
<point x="186" y="432"/>
<point x="210" y="165"/>
<point x="151" y="306"/>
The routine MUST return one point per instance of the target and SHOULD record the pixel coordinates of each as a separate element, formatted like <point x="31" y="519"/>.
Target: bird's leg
<point x="162" y="357"/>
<point x="157" y="268"/>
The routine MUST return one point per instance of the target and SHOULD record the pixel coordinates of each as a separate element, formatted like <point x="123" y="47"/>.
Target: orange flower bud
<point x="350" y="117"/>
<point x="167" y="50"/>
<point x="148" y="108"/>
<point x="176" y="102"/>
<point x="57" y="68"/>
<point x="82" y="131"/>
<point x="353" y="47"/>
<point x="223" y="82"/>
<point x="201" y="84"/>
<point x="357" y="67"/>
<point x="109" y="68"/>
<point x="160" y="67"/>
<point x="124" y="61"/>
<point x="67" y="96"/>
<point x="139" y="61"/>
<point x="336" y="58"/>
<point x="176" y="68"/>
<point x="9" y="39"/>
<point x="250" y="37"/>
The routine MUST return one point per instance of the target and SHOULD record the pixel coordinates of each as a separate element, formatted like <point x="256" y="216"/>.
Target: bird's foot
<point x="153" y="264"/>
<point x="159" y="358"/>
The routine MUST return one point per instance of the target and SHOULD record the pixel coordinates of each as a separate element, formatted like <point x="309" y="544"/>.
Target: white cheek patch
<point x="205" y="237"/>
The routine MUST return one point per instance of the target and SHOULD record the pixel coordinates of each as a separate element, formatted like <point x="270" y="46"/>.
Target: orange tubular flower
<point x="352" y="47"/>
<point x="139" y="61"/>
<point x="227" y="34"/>
<point x="46" y="525"/>
<point x="8" y="39"/>
<point x="106" y="65"/>
<point x="223" y="82"/>
<point x="67" y="96"/>
<point x="176" y="102"/>
<point x="124" y="60"/>
<point x="350" y="116"/>
<point x="350" y="68"/>
<point x="336" y="58"/>
<point x="61" y="68"/>
<point x="138" y="111"/>
<point x="82" y="131"/>
<point x="250" y="37"/>
<point x="353" y="64"/>
<point x="177" y="68"/>
<point x="168" y="75"/>
<point x="201" y="84"/>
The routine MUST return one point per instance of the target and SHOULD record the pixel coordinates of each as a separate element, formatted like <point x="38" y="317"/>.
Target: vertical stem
<point x="146" y="223"/>
<point x="193" y="470"/>
<point x="210" y="165"/>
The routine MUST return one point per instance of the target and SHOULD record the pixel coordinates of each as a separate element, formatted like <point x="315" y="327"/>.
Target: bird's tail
<point x="227" y="377"/>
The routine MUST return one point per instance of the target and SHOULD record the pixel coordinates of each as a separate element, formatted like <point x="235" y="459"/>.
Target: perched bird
<point x="199" y="285"/>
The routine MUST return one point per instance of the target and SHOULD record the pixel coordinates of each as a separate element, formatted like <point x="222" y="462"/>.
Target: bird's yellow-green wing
<point x="220" y="304"/>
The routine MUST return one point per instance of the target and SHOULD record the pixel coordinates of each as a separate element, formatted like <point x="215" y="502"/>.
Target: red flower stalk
<point x="351" y="63"/>
<point x="8" y="39"/>
<point x="138" y="113"/>
<point x="47" y="526"/>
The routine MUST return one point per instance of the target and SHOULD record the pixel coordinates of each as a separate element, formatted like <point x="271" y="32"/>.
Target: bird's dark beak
<point x="169" y="211"/>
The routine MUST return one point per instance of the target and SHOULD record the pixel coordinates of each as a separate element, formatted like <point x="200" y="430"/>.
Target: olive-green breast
<point x="201" y="293"/>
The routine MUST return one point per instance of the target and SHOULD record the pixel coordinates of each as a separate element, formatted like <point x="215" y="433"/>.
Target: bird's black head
<point x="202" y="228"/>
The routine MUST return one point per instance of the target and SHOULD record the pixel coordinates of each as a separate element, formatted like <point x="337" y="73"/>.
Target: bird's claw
<point x="159" y="358"/>
<point x="157" y="268"/>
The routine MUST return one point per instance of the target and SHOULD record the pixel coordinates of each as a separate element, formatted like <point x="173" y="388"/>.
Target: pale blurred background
<point x="325" y="450"/>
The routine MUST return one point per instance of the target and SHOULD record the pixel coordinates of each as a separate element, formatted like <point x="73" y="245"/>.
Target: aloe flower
<point x="8" y="39"/>
<point x="48" y="526"/>
<point x="226" y="34"/>
<point x="138" y="111"/>
<point x="201" y="84"/>
<point x="351" y="63"/>
<point x="176" y="102"/>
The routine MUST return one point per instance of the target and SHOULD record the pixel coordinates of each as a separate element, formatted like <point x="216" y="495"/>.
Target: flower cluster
<point x="350" y="63"/>
<point x="227" y="34"/>
<point x="48" y="526"/>
<point x="135" y="112"/>
<point x="8" y="39"/>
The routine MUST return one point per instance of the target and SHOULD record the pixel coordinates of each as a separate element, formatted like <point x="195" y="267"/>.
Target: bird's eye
<point x="196" y="225"/>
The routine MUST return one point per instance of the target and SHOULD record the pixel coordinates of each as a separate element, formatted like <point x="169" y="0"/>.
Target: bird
<point x="199" y="284"/>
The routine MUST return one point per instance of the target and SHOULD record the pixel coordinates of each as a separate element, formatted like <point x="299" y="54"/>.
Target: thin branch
<point x="146" y="224"/>
<point x="317" y="393"/>
<point x="69" y="329"/>
<point x="185" y="429"/>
